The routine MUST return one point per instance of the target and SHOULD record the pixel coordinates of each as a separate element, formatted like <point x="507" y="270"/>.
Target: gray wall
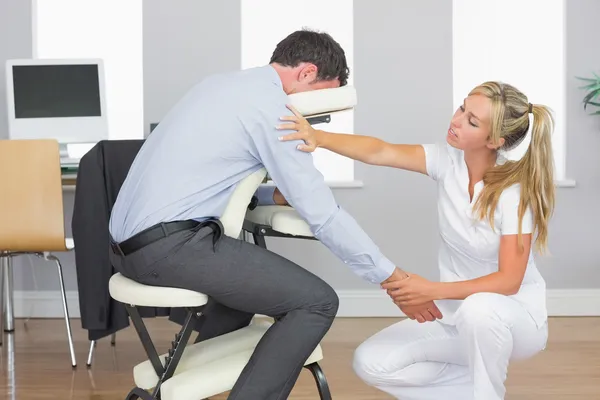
<point x="403" y="66"/>
<point x="15" y="42"/>
<point x="574" y="232"/>
<point x="184" y="41"/>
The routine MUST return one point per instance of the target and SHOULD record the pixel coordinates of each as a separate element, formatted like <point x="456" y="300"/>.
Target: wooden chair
<point x="31" y="212"/>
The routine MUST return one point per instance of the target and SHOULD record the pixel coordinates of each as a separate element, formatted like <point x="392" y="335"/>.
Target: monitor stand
<point x="77" y="151"/>
<point x="64" y="151"/>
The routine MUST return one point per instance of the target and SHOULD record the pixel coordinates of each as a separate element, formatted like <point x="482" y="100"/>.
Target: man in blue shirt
<point x="221" y="131"/>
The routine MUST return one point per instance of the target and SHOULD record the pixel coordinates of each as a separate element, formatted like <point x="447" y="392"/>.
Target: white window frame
<point x="262" y="27"/>
<point x="511" y="41"/>
<point x="106" y="29"/>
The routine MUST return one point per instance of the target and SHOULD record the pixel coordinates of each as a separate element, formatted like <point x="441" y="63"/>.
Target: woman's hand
<point x="304" y="131"/>
<point x="424" y="312"/>
<point x="412" y="291"/>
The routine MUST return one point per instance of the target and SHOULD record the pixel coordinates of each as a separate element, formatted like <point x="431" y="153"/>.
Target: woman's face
<point x="470" y="126"/>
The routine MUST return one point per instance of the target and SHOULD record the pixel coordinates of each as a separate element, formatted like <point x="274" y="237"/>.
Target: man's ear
<point x="308" y="73"/>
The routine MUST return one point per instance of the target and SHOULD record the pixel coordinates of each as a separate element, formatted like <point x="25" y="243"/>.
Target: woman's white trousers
<point x="465" y="361"/>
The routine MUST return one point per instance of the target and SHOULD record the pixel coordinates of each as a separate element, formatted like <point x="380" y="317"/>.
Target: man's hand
<point x="422" y="313"/>
<point x="397" y="275"/>
<point x="279" y="199"/>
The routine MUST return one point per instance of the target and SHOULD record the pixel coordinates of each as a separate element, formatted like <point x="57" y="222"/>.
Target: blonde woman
<point x="493" y="213"/>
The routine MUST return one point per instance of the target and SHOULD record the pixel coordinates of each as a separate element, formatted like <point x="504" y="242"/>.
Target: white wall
<point x="530" y="56"/>
<point x="110" y="30"/>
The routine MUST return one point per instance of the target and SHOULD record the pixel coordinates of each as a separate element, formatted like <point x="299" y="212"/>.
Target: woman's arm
<point x="512" y="262"/>
<point x="373" y="151"/>
<point x="367" y="149"/>
<point x="513" y="258"/>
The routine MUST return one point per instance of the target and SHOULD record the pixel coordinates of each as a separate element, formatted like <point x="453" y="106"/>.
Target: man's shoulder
<point x="264" y="76"/>
<point x="260" y="95"/>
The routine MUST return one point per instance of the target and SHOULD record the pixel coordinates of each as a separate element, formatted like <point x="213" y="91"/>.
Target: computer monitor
<point x="62" y="99"/>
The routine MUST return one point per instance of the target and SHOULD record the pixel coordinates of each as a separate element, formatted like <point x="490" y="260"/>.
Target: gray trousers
<point x="242" y="279"/>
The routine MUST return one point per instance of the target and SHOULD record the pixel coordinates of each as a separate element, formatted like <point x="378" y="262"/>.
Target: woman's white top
<point x="469" y="247"/>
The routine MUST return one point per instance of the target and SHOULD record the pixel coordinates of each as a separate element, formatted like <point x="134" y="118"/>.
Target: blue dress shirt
<point x="222" y="130"/>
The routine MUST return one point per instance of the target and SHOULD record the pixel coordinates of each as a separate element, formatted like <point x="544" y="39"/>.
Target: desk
<point x="69" y="178"/>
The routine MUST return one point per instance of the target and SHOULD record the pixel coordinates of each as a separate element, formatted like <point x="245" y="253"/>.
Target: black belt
<point x="163" y="230"/>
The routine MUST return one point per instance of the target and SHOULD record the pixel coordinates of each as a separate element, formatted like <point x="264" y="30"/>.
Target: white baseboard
<point x="560" y="303"/>
<point x="353" y="303"/>
<point x="44" y="304"/>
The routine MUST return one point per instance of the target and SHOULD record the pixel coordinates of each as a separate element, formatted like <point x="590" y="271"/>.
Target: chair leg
<point x="113" y="341"/>
<point x="9" y="315"/>
<point x="322" y="385"/>
<point x="2" y="266"/>
<point x="91" y="353"/>
<point x="65" y="308"/>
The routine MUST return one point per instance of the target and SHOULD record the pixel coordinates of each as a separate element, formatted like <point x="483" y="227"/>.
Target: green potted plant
<point x="593" y="92"/>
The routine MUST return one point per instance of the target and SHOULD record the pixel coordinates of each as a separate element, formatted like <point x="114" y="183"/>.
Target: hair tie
<point x="530" y="108"/>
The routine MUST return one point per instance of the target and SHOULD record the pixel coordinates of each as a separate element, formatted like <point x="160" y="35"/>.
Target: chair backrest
<point x="31" y="196"/>
<point x="235" y="212"/>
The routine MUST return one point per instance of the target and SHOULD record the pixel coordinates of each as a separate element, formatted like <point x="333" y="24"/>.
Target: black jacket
<point x="100" y="176"/>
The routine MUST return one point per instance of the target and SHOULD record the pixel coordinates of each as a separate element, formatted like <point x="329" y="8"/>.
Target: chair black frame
<point x="174" y="355"/>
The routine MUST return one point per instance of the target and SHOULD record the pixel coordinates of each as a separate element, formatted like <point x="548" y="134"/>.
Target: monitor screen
<point x="56" y="91"/>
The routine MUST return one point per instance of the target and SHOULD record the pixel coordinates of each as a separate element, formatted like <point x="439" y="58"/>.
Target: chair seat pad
<point x="210" y="367"/>
<point x="131" y="292"/>
<point x="282" y="219"/>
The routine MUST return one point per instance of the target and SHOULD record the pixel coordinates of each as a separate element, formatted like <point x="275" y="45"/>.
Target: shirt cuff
<point x="264" y="193"/>
<point x="384" y="270"/>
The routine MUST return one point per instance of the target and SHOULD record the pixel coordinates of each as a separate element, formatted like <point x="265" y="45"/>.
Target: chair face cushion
<point x="128" y="291"/>
<point x="324" y="101"/>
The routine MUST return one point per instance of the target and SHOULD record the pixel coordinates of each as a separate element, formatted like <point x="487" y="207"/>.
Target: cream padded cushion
<point x="214" y="378"/>
<point x="324" y="101"/>
<point x="211" y="367"/>
<point x="232" y="218"/>
<point x="282" y="219"/>
<point x="128" y="291"/>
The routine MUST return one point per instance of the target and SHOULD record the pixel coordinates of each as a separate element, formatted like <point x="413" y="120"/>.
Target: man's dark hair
<point x="317" y="48"/>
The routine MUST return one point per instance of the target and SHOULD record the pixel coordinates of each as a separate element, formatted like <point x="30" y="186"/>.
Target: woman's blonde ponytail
<point x="534" y="172"/>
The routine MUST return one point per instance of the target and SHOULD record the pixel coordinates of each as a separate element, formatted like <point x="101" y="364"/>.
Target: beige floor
<point x="39" y="368"/>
